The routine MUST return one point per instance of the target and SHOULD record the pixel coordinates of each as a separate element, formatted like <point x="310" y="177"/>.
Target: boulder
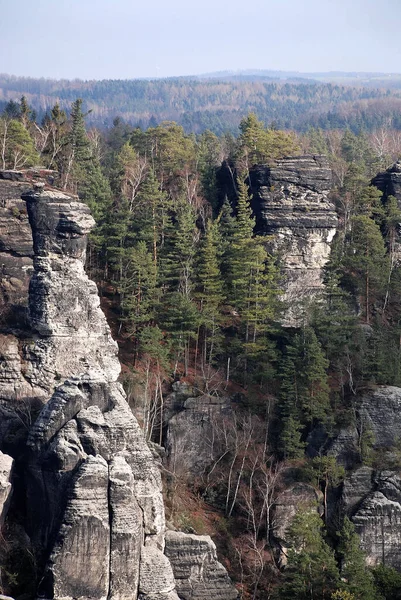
<point x="197" y="572"/>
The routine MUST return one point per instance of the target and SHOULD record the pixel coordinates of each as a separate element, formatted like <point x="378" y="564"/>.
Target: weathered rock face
<point x="389" y="182"/>
<point x="198" y="574"/>
<point x="378" y="413"/>
<point x="16" y="250"/>
<point x="192" y="424"/>
<point x="373" y="501"/>
<point x="298" y="497"/>
<point x="94" y="510"/>
<point x="291" y="204"/>
<point x="372" y="498"/>
<point x="63" y="303"/>
<point x="6" y="464"/>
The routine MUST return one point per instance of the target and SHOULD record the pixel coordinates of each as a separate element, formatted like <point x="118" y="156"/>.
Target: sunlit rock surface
<point x="291" y="204"/>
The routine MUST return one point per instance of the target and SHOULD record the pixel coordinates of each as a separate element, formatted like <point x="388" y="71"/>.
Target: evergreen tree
<point x="77" y="148"/>
<point x="17" y="149"/>
<point x="356" y="577"/>
<point x="311" y="572"/>
<point x="366" y="260"/>
<point x="210" y="293"/>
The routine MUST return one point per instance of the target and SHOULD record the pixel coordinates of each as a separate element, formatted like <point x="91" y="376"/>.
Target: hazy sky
<point x="94" y="39"/>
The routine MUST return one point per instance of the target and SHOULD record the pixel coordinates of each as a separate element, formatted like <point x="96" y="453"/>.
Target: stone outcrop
<point x="95" y="514"/>
<point x="193" y="422"/>
<point x="293" y="499"/>
<point x="87" y="455"/>
<point x="6" y="464"/>
<point x="372" y="499"/>
<point x="197" y="572"/>
<point x="291" y="204"/>
<point x="63" y="303"/>
<point x="16" y="251"/>
<point x="389" y="182"/>
<point x="378" y="416"/>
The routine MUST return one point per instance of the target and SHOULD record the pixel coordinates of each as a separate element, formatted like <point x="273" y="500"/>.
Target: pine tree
<point x="315" y="400"/>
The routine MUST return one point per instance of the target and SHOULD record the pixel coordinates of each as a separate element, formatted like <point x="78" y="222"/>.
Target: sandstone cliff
<point x="291" y="204"/>
<point x="94" y="510"/>
<point x="371" y="496"/>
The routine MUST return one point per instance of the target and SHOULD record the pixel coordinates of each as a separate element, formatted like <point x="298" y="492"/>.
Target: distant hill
<point x="218" y="101"/>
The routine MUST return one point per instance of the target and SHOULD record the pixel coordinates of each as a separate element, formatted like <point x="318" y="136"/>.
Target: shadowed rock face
<point x="6" y="464"/>
<point x="372" y="497"/>
<point x="373" y="501"/>
<point x="389" y="182"/>
<point x="95" y="513"/>
<point x="291" y="205"/>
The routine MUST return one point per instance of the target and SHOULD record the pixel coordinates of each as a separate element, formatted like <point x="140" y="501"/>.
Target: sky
<point x="126" y="39"/>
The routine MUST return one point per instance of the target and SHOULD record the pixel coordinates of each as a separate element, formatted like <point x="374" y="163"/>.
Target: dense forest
<point x="195" y="295"/>
<point x="215" y="104"/>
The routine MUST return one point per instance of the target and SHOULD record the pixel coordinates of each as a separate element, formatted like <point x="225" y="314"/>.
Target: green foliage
<point x="388" y="581"/>
<point x="311" y="572"/>
<point x="259" y="145"/>
<point x="304" y="397"/>
<point x="17" y="149"/>
<point x="356" y="577"/>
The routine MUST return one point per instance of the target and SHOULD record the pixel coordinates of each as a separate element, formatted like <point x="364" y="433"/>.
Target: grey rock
<point x="11" y="175"/>
<point x="356" y="487"/>
<point x="298" y="497"/>
<point x="6" y="465"/>
<point x="197" y="572"/>
<point x="380" y="410"/>
<point x="126" y="532"/>
<point x="156" y="579"/>
<point x="372" y="499"/>
<point x="192" y="440"/>
<point x="378" y="523"/>
<point x="16" y="254"/>
<point x="80" y="560"/>
<point x="291" y="203"/>
<point x="63" y="303"/>
<point x="389" y="182"/>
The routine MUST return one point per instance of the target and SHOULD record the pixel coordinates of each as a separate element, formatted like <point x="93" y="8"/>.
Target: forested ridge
<point x="196" y="296"/>
<point x="215" y="104"/>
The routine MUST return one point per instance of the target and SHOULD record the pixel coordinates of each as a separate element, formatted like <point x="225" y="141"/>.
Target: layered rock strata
<point x="373" y="501"/>
<point x="372" y="497"/>
<point x="95" y="513"/>
<point x="291" y="204"/>
<point x="198" y="574"/>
